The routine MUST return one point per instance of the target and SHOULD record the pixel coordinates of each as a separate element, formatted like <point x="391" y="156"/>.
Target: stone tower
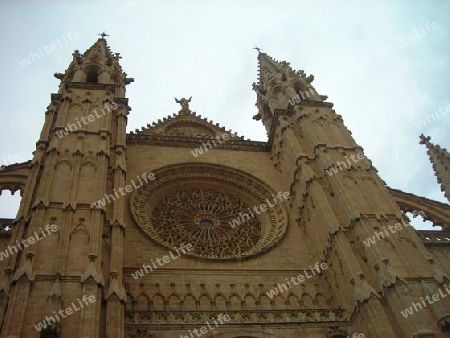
<point x="184" y="229"/>
<point x="81" y="145"/>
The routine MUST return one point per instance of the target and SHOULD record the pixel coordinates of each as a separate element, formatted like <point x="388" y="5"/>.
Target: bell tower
<point x="80" y="156"/>
<point x="339" y="201"/>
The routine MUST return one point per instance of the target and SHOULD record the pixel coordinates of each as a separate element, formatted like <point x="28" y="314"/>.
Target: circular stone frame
<point x="245" y="187"/>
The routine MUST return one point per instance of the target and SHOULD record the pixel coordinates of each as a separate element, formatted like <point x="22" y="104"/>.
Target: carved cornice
<point x="122" y="100"/>
<point x="195" y="318"/>
<point x="11" y="168"/>
<point x="91" y="86"/>
<point x="56" y="97"/>
<point x="432" y="238"/>
<point x="193" y="142"/>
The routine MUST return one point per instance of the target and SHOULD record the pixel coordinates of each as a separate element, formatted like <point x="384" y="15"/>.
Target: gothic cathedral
<point x="184" y="229"/>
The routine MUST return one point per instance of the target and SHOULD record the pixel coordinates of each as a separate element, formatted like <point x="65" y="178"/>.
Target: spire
<point x="440" y="159"/>
<point x="280" y="88"/>
<point x="100" y="46"/>
<point x="98" y="65"/>
<point x="268" y="65"/>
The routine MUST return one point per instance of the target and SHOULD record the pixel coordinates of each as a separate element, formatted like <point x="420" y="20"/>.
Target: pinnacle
<point x="440" y="160"/>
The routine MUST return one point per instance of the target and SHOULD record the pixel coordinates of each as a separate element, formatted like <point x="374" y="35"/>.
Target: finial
<point x="424" y="139"/>
<point x="103" y="35"/>
<point x="258" y="49"/>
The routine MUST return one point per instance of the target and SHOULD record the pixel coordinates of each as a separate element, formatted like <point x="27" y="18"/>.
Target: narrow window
<point x="92" y="76"/>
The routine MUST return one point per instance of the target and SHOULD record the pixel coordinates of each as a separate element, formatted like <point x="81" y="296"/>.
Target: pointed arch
<point x="294" y="301"/>
<point x="265" y="302"/>
<point x="235" y="302"/>
<point x="60" y="184"/>
<point x="78" y="257"/>
<point x="92" y="74"/>
<point x="189" y="302"/>
<point x="307" y="301"/>
<point x="158" y="302"/>
<point x="142" y="302"/>
<point x="221" y="302"/>
<point x="87" y="173"/>
<point x="250" y="301"/>
<point x="321" y="301"/>
<point x="205" y="302"/>
<point x="174" y="302"/>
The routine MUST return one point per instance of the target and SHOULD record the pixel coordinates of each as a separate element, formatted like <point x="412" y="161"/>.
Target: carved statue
<point x="184" y="104"/>
<point x="310" y="78"/>
<point x="127" y="80"/>
<point x="258" y="89"/>
<point x="77" y="57"/>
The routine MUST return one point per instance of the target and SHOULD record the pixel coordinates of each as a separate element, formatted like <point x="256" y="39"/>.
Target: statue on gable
<point x="184" y="104"/>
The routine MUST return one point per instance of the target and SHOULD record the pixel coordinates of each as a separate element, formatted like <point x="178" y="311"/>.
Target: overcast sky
<point x="384" y="64"/>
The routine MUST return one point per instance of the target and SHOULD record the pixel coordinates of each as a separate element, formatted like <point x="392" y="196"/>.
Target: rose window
<point x="204" y="218"/>
<point x="210" y="207"/>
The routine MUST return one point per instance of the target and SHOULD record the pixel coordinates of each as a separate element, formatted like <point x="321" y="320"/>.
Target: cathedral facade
<point x="185" y="229"/>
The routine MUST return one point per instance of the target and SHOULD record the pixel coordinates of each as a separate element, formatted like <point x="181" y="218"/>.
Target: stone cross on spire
<point x="258" y="49"/>
<point x="103" y="34"/>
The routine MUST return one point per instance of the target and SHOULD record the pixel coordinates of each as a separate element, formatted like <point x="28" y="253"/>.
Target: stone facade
<point x="184" y="229"/>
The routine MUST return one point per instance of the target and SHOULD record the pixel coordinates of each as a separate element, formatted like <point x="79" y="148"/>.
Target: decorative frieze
<point x="195" y="318"/>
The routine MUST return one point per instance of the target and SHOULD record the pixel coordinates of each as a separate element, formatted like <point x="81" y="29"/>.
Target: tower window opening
<point x="92" y="76"/>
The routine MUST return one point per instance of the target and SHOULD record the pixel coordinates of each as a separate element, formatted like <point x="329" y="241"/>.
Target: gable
<point x="187" y="125"/>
